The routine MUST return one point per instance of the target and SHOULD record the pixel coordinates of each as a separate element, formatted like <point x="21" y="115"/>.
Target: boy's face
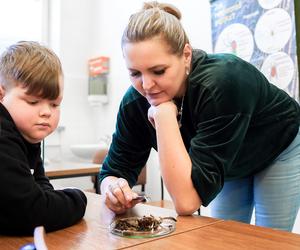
<point x="34" y="117"/>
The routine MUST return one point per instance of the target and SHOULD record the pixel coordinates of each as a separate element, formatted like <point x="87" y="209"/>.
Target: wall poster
<point x="261" y="32"/>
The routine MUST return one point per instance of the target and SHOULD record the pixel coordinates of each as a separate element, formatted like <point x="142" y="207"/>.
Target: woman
<point x="223" y="133"/>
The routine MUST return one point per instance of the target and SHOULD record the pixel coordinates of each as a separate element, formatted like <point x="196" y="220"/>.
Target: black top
<point x="234" y="124"/>
<point x="28" y="200"/>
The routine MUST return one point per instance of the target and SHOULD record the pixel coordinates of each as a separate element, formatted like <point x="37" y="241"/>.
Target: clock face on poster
<point x="269" y="4"/>
<point x="279" y="69"/>
<point x="236" y="39"/>
<point x="273" y="30"/>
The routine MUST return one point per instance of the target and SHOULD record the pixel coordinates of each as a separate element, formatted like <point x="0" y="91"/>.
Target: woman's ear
<point x="2" y="92"/>
<point x="187" y="53"/>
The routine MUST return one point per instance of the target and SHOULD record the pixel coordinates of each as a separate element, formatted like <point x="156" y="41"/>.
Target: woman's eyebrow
<point x="158" y="66"/>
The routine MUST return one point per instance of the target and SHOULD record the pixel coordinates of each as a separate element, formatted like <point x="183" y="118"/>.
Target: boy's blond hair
<point x="32" y="66"/>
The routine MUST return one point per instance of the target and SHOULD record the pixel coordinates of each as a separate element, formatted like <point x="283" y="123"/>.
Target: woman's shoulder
<point x="221" y="68"/>
<point x="217" y="62"/>
<point x="226" y="79"/>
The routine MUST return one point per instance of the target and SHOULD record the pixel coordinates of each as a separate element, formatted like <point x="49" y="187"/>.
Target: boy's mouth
<point x="43" y="124"/>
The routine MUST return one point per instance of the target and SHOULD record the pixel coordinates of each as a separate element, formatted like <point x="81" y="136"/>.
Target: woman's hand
<point x="119" y="196"/>
<point x="164" y="109"/>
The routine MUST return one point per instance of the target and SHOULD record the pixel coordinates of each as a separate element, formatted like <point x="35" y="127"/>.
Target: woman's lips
<point x="154" y="98"/>
<point x="153" y="95"/>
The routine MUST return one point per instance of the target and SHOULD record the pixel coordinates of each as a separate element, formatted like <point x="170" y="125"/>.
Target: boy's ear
<point x="2" y="92"/>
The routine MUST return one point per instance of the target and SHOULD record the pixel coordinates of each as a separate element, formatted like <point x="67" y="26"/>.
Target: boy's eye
<point x="32" y="102"/>
<point x="54" y="105"/>
<point x="159" y="72"/>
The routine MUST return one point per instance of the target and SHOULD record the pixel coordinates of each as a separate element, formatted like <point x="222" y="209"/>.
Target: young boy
<point x="31" y="89"/>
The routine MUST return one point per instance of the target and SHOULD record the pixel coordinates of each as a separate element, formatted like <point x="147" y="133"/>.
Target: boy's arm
<point x="40" y="177"/>
<point x="28" y="200"/>
<point x="26" y="204"/>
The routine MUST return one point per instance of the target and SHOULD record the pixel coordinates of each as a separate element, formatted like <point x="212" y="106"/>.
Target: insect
<point x="145" y="223"/>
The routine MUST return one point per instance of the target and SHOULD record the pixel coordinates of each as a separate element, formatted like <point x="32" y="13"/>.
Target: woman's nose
<point x="147" y="82"/>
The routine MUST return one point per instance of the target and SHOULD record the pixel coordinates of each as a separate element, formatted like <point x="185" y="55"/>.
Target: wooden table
<point x="92" y="232"/>
<point x="192" y="232"/>
<point x="60" y="170"/>
<point x="227" y="235"/>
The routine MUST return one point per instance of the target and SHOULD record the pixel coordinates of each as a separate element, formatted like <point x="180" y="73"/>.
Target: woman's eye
<point x="134" y="74"/>
<point x="159" y="72"/>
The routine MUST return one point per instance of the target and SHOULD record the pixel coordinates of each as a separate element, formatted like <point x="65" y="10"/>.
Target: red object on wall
<point x="98" y="66"/>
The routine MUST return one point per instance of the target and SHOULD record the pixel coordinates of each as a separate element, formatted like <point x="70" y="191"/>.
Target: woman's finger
<point x="112" y="203"/>
<point x="119" y="196"/>
<point x="119" y="190"/>
<point x="127" y="192"/>
<point x="112" y="198"/>
<point x="150" y="116"/>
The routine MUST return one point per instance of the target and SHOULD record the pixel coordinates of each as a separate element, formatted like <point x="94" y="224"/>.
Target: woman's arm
<point x="175" y="162"/>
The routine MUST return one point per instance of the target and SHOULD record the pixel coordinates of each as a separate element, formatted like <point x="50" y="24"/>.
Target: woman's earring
<point x="187" y="72"/>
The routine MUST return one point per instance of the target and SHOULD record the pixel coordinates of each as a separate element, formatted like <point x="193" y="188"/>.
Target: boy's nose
<point x="45" y="110"/>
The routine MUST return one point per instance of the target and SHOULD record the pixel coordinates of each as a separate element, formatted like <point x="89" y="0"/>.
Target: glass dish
<point x="165" y="226"/>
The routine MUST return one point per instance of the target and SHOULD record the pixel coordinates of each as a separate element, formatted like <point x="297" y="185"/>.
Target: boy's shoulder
<point x="6" y="121"/>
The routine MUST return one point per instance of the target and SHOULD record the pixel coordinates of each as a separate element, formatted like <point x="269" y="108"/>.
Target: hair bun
<point x="169" y="8"/>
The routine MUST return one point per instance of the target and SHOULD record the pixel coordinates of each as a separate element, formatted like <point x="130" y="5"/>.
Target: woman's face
<point x="155" y="73"/>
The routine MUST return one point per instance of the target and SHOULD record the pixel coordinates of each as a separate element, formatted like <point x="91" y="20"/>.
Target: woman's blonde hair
<point x="32" y="66"/>
<point x="157" y="19"/>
